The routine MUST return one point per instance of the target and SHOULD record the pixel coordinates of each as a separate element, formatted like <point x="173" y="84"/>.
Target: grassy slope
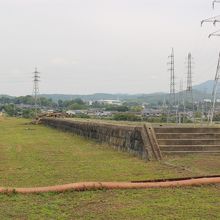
<point x="39" y="156"/>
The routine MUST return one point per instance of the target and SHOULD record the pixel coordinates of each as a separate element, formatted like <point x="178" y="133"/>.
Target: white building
<point x="110" y="102"/>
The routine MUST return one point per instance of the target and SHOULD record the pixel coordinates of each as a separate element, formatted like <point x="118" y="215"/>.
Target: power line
<point x="216" y="34"/>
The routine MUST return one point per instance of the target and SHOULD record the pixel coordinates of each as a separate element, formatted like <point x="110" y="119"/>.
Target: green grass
<point x="189" y="203"/>
<point x="40" y="156"/>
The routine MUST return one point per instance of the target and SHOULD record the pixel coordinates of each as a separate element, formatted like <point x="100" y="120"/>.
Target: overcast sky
<point x="113" y="46"/>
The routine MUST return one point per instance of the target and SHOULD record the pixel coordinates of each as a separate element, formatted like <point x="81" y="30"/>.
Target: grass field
<point x="132" y="123"/>
<point x="40" y="156"/>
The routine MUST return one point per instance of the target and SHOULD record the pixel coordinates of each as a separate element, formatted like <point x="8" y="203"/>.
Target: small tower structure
<point x="36" y="89"/>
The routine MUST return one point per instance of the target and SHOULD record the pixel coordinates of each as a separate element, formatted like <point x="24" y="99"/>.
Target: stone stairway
<point x="176" y="140"/>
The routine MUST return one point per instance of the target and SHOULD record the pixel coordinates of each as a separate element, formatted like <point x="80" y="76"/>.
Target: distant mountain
<point x="200" y="92"/>
<point x="153" y="98"/>
<point x="205" y="87"/>
<point x="161" y="97"/>
<point x="6" y="96"/>
<point x="93" y="97"/>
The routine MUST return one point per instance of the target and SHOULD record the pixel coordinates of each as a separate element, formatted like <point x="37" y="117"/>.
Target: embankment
<point x="136" y="140"/>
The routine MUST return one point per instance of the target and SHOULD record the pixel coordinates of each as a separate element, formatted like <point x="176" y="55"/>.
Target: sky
<point x="109" y="46"/>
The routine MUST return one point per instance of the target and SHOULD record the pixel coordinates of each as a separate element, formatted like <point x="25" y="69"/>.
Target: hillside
<point x="93" y="97"/>
<point x="205" y="87"/>
<point x="140" y="98"/>
<point x="201" y="91"/>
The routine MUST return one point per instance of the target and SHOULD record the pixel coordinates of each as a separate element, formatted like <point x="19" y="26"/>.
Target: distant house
<point x="110" y="102"/>
<point x="207" y="100"/>
<point x="104" y="113"/>
<point x="152" y="112"/>
<point x="76" y="112"/>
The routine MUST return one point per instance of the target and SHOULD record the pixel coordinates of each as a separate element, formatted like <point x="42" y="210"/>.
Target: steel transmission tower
<point x="213" y="20"/>
<point x="189" y="73"/>
<point x="215" y="89"/>
<point x="214" y="2"/>
<point x="189" y="90"/>
<point x="172" y="95"/>
<point x="172" y="79"/>
<point x="36" y="89"/>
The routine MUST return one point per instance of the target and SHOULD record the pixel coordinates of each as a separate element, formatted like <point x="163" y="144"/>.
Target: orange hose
<point x="84" y="186"/>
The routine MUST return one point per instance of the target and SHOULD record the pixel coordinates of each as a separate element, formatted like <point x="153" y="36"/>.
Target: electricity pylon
<point x="214" y="2"/>
<point x="36" y="89"/>
<point x="213" y="20"/>
<point x="215" y="89"/>
<point x="172" y="95"/>
<point x="189" y="90"/>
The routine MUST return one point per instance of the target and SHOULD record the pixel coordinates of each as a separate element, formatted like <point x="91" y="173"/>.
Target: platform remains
<point x="180" y="140"/>
<point x="149" y="142"/>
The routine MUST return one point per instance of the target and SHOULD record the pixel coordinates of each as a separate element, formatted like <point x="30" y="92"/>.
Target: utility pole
<point x="215" y="88"/>
<point x="172" y="95"/>
<point x="189" y="91"/>
<point x="36" y="89"/>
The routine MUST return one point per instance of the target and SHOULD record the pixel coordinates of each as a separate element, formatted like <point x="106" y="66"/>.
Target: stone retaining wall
<point x="122" y="137"/>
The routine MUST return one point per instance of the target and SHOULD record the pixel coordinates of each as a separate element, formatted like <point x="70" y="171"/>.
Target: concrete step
<point x="190" y="142"/>
<point x="187" y="130"/>
<point x="190" y="152"/>
<point x="188" y="135"/>
<point x="190" y="148"/>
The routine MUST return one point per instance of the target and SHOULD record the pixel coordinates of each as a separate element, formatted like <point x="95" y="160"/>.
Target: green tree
<point x="121" y="108"/>
<point x="28" y="113"/>
<point x="126" y="117"/>
<point x="10" y="110"/>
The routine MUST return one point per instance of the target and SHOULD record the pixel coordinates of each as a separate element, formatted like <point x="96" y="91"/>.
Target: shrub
<point x="126" y="117"/>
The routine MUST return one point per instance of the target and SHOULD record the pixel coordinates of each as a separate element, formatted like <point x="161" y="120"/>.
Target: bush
<point x="126" y="117"/>
<point x="28" y="113"/>
<point x="121" y="108"/>
<point x="82" y="115"/>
